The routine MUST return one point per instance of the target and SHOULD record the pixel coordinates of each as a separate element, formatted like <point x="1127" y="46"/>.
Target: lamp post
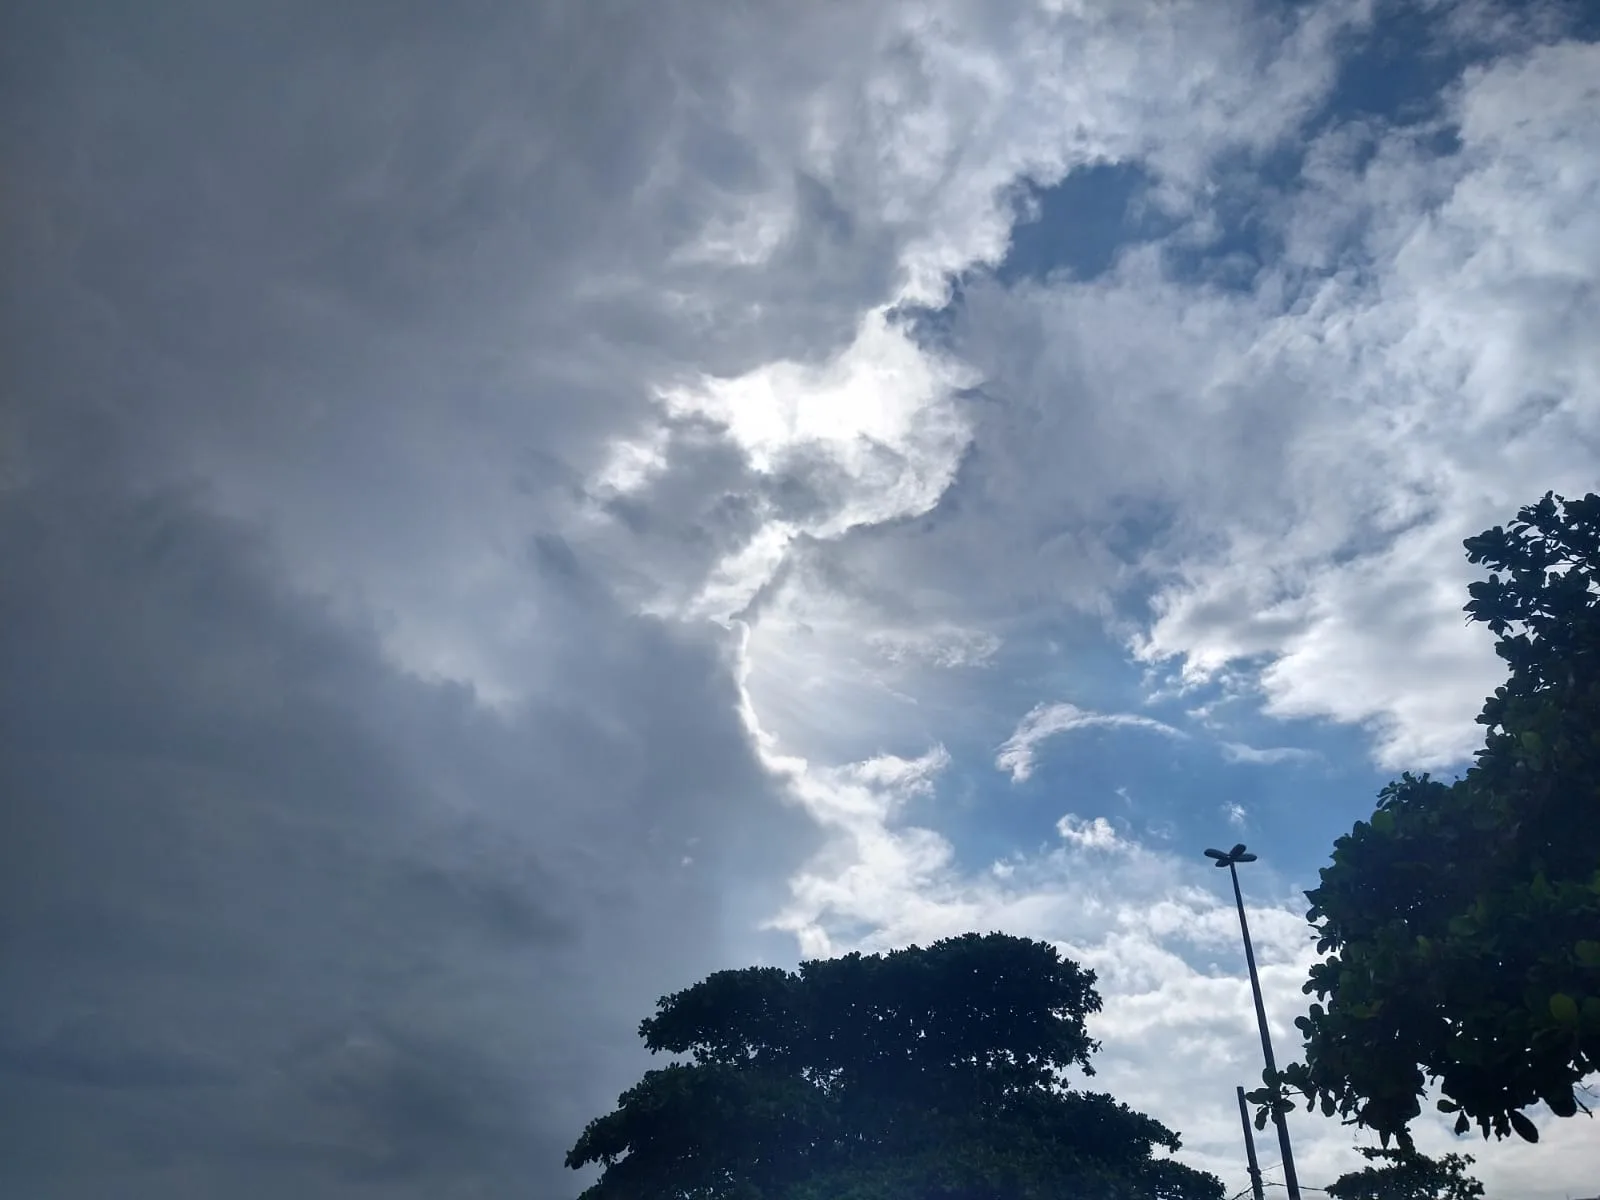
<point x="1230" y="859"/>
<point x="1250" y="1147"/>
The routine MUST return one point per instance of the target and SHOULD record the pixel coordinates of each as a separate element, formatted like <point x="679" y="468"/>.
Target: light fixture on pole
<point x="1230" y="859"/>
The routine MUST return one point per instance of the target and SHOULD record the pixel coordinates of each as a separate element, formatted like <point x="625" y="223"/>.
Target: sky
<point x="507" y="507"/>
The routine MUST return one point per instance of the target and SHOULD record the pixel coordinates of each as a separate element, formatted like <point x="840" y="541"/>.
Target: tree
<point x="1407" y="1175"/>
<point x="931" y="1074"/>
<point x="1460" y="921"/>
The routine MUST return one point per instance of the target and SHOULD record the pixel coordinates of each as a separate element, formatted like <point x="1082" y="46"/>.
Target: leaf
<point x="1562" y="1102"/>
<point x="1588" y="953"/>
<point x="1591" y="1011"/>
<point x="1462" y="1124"/>
<point x="1525" y="1128"/>
<point x="1564" y="1008"/>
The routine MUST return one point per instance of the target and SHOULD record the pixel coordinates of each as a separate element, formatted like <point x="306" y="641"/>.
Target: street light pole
<point x="1238" y="854"/>
<point x="1250" y="1147"/>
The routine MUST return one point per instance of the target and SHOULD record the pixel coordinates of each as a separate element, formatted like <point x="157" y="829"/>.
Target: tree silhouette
<point x="1408" y="1175"/>
<point x="925" y="1074"/>
<point x="1463" y="919"/>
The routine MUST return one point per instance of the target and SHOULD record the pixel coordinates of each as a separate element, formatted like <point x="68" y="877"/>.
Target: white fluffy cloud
<point x="1091" y="835"/>
<point x="1309" y="452"/>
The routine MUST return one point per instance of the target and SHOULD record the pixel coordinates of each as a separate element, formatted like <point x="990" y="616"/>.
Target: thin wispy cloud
<point x="1239" y="752"/>
<point x="1018" y="755"/>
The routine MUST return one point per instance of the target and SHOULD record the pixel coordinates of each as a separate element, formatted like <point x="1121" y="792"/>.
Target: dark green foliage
<point x="1463" y="919"/>
<point x="923" y="1074"/>
<point x="1407" y="1175"/>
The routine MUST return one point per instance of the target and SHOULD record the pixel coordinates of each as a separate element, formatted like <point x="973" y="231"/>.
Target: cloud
<point x="90" y="1049"/>
<point x="330" y="920"/>
<point x="1235" y="812"/>
<point x="1017" y="756"/>
<point x="1284" y="471"/>
<point x="500" y="518"/>
<point x="1091" y="835"/>
<point x="1239" y="752"/>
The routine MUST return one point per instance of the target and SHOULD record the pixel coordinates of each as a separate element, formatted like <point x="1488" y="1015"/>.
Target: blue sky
<point x="506" y="510"/>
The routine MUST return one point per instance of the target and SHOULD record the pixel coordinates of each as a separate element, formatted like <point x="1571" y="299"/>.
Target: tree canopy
<point x="933" y="1074"/>
<point x="1462" y="921"/>
<point x="1407" y="1175"/>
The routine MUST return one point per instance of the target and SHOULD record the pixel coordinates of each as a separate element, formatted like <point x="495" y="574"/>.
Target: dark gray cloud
<point x="313" y="917"/>
<point x="393" y="283"/>
<point x="253" y="211"/>
<point x="315" y="325"/>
